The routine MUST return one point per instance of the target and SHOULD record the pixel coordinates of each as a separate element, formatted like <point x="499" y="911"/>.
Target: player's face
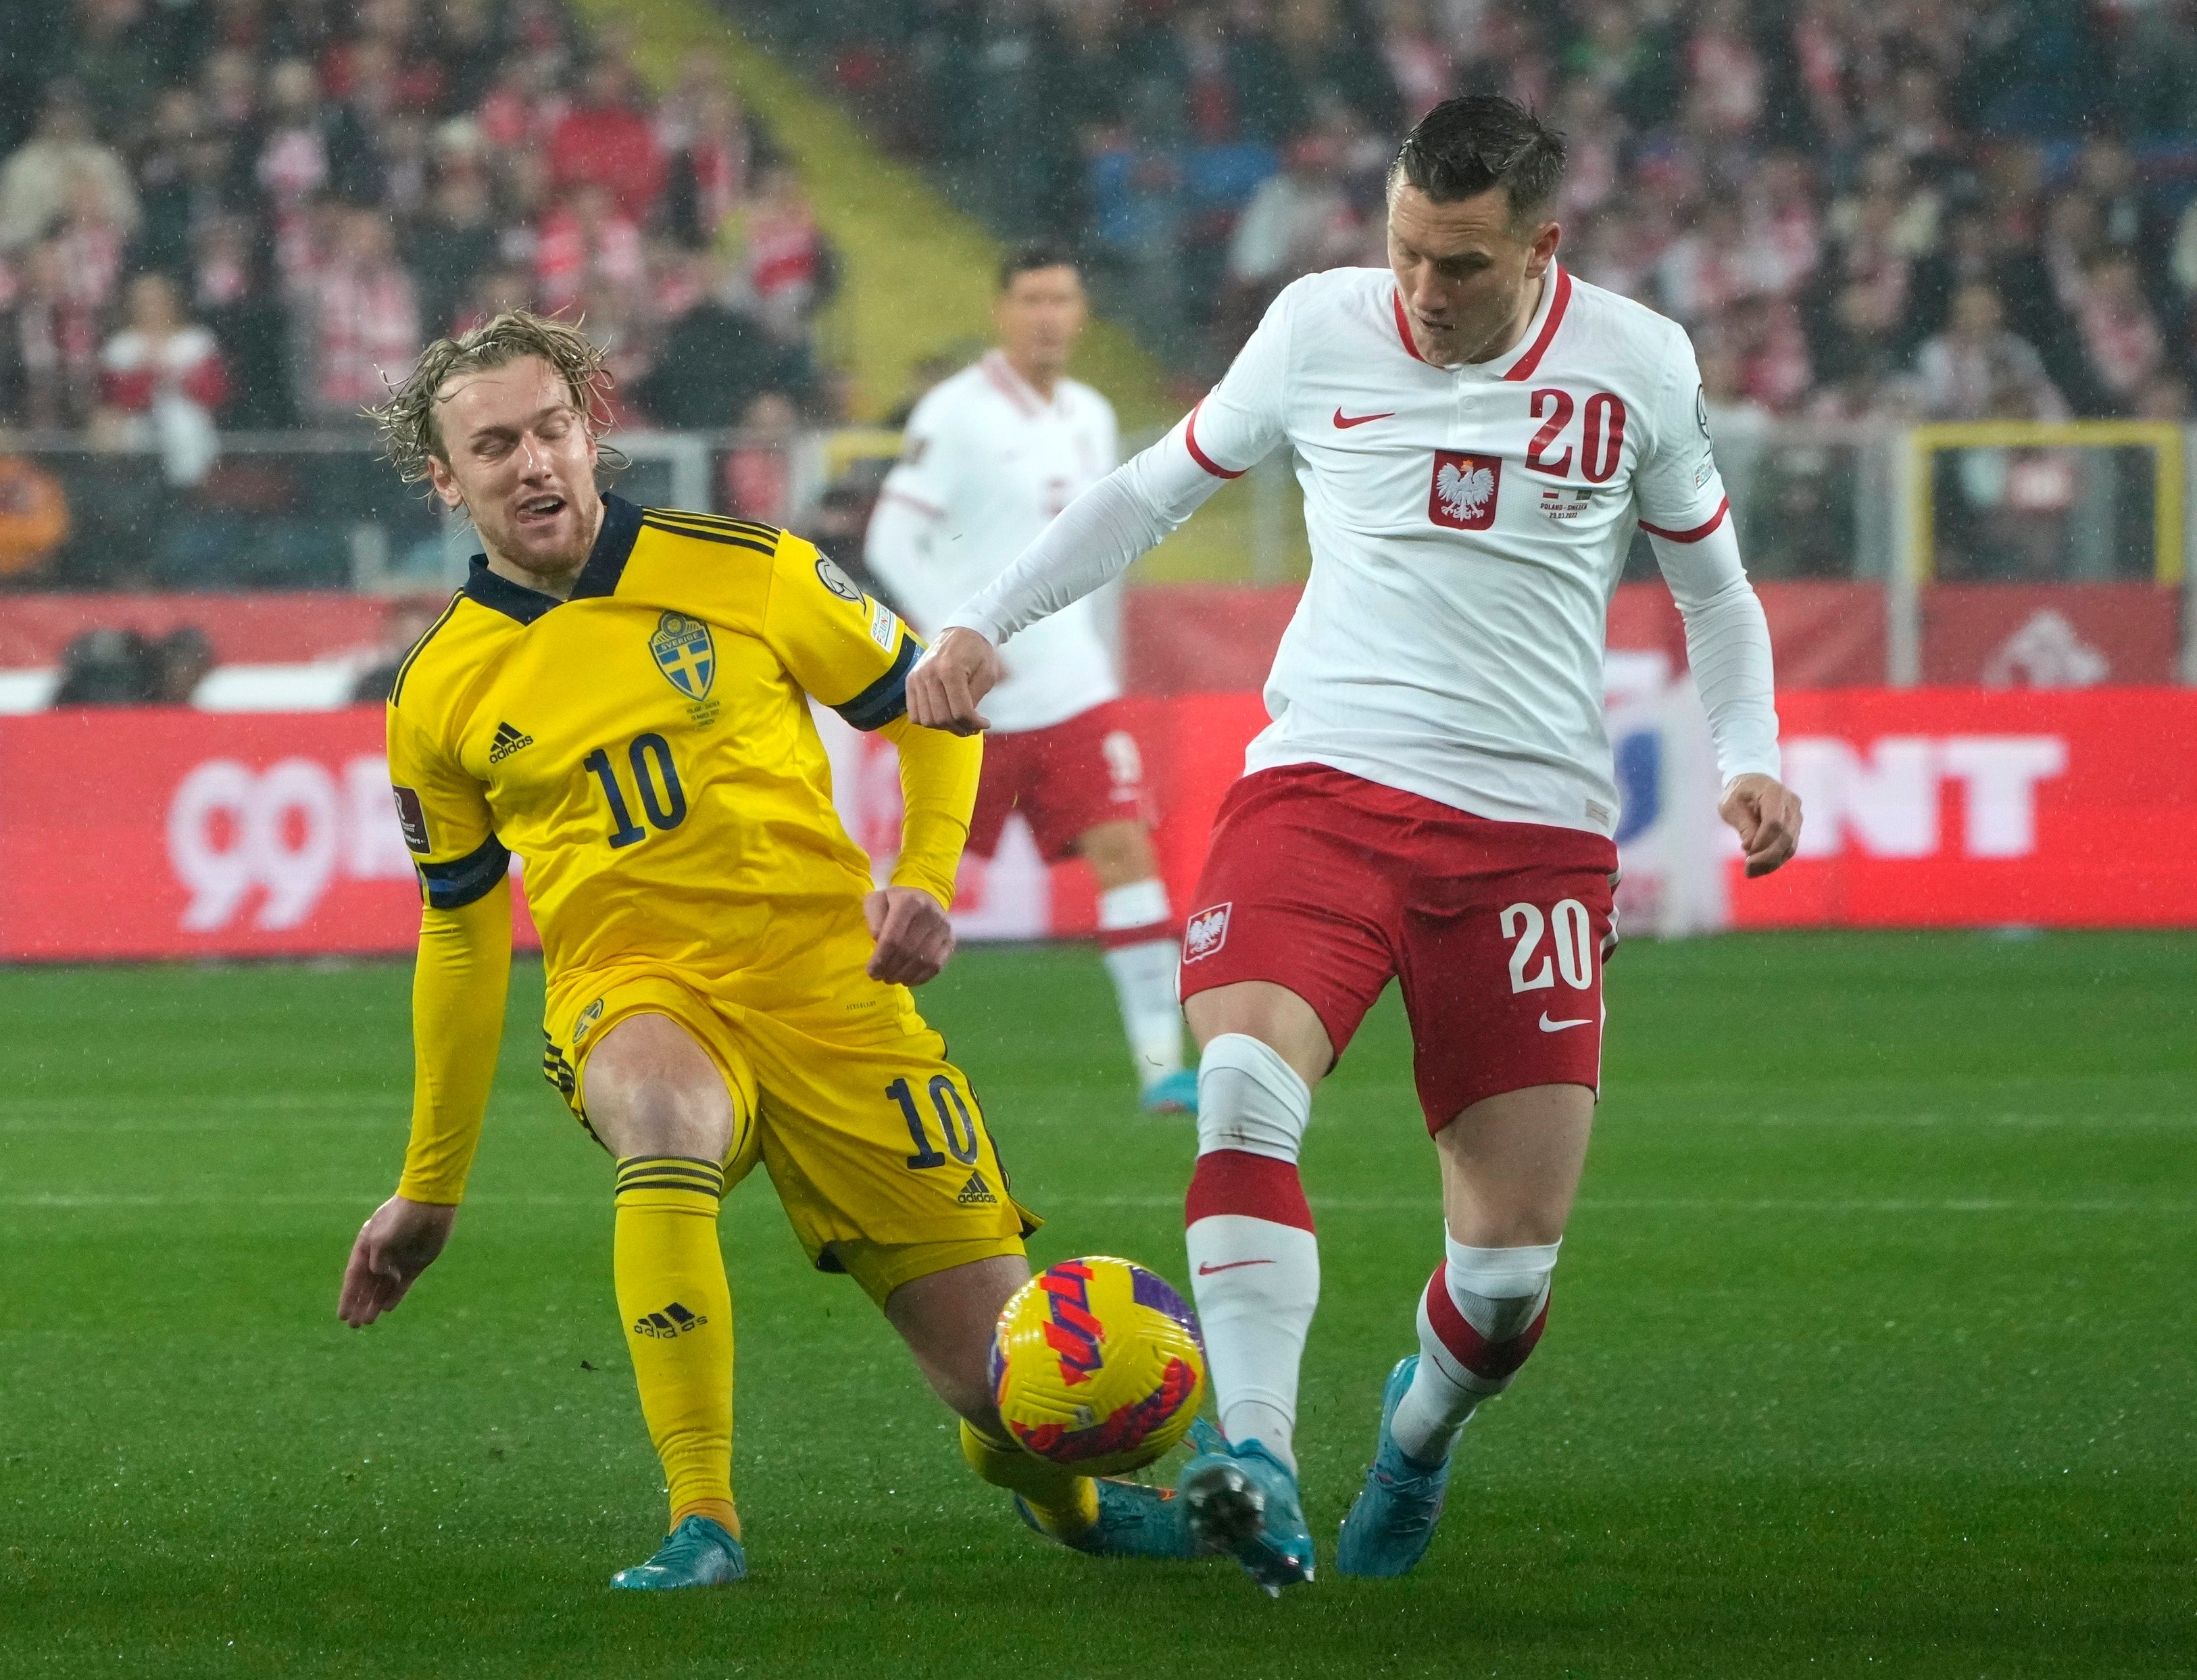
<point x="1039" y="316"/>
<point x="1466" y="271"/>
<point x="521" y="461"/>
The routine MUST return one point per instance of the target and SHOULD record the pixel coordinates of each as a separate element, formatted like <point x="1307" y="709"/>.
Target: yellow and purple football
<point x="1097" y="1364"/>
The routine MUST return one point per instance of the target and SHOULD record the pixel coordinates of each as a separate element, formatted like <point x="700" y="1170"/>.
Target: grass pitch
<point x="1873" y="1348"/>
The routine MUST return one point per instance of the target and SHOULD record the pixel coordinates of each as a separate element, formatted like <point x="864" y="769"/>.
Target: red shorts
<point x="1328" y="884"/>
<point x="1065" y="780"/>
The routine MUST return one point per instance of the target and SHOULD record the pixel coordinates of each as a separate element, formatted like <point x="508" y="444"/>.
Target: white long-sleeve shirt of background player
<point x="986" y="465"/>
<point x="1468" y="524"/>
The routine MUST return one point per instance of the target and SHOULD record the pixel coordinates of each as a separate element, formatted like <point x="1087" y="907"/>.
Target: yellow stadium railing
<point x="2162" y="437"/>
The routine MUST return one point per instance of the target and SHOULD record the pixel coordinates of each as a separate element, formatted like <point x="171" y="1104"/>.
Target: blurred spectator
<point x="788" y="268"/>
<point x="55" y="341"/>
<point x="765" y="475"/>
<point x="358" y="318"/>
<point x="61" y="165"/>
<point x="408" y="621"/>
<point x="585" y="244"/>
<point x="455" y="240"/>
<point x="166" y="375"/>
<point x="604" y="139"/>
<point x="1967" y="372"/>
<point x="2119" y="336"/>
<point x="178" y="663"/>
<point x="715" y="362"/>
<point x="34" y="516"/>
<point x="107" y="668"/>
<point x="1299" y="222"/>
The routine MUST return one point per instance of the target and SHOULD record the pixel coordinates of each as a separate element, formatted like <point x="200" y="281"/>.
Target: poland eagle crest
<point x="1465" y="487"/>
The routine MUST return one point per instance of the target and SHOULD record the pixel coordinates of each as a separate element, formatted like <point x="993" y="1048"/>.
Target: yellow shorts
<point x="873" y="1140"/>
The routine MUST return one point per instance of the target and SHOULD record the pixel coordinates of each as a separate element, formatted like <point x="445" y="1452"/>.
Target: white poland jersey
<point x="986" y="465"/>
<point x="1467" y="525"/>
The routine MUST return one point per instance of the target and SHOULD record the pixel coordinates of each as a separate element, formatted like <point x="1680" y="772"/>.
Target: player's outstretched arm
<point x="458" y="990"/>
<point x="1767" y="815"/>
<point x="938" y="776"/>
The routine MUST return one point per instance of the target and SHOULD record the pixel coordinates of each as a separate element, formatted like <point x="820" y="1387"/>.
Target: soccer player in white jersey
<point x="1478" y="435"/>
<point x="992" y="456"/>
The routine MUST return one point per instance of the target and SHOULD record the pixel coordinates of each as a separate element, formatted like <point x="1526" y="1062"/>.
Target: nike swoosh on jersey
<point x="1549" y="1025"/>
<point x="1343" y="423"/>
<point x="1205" y="1268"/>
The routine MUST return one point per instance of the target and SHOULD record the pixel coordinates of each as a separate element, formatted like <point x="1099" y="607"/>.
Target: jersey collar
<point x="605" y="565"/>
<point x="1520" y="363"/>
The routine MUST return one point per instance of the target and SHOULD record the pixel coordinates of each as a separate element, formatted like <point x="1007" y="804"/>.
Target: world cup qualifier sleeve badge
<point x="686" y="654"/>
<point x="1463" y="494"/>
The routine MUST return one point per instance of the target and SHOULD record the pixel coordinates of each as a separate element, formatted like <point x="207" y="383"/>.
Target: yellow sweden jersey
<point x="647" y="747"/>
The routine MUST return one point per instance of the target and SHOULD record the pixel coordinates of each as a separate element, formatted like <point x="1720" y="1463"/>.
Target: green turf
<point x="1873" y="1349"/>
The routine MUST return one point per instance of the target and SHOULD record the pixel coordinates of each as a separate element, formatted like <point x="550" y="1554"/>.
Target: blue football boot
<point x="1393" y="1516"/>
<point x="698" y="1552"/>
<point x="1173" y="1093"/>
<point x="1243" y="1501"/>
<point x="1135" y="1521"/>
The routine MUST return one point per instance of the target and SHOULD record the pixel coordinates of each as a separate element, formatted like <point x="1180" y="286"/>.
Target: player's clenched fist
<point x="947" y="683"/>
<point x="397" y="1242"/>
<point x="1766" y="813"/>
<point x="914" y="937"/>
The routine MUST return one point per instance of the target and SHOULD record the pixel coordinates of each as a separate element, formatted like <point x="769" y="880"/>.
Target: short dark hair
<point x="1029" y="257"/>
<point x="1466" y="146"/>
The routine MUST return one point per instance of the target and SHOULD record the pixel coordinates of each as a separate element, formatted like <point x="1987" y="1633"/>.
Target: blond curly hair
<point x="411" y="432"/>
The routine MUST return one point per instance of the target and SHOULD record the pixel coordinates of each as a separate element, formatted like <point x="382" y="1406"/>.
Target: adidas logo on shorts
<point x="508" y="741"/>
<point x="977" y="1193"/>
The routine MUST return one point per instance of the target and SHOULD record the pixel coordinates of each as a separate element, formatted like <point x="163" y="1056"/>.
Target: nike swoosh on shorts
<point x="1549" y="1025"/>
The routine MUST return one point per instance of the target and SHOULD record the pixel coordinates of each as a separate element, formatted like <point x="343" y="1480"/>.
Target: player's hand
<point x="914" y="938"/>
<point x="948" y="682"/>
<point x="398" y="1241"/>
<point x="1766" y="813"/>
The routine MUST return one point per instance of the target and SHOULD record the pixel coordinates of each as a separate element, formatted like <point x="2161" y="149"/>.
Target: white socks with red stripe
<point x="1254" y="1260"/>
<point x="1479" y="1317"/>
<point x="1136" y="926"/>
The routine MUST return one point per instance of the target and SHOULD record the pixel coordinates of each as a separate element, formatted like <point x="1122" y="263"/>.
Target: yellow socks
<point x="678" y="1313"/>
<point x="1065" y="1503"/>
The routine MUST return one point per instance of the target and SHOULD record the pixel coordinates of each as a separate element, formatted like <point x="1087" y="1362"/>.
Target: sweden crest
<point x="684" y="654"/>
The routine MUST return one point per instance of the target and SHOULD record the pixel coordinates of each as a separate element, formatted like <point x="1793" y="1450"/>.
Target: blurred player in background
<point x="620" y="696"/>
<point x="1479" y="435"/>
<point x="993" y="454"/>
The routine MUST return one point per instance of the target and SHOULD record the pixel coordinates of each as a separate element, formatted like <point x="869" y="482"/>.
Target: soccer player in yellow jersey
<point x="620" y="697"/>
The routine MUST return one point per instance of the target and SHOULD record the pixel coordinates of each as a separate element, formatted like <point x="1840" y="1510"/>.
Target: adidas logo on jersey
<point x="674" y="1320"/>
<point x="977" y="1193"/>
<point x="508" y="741"/>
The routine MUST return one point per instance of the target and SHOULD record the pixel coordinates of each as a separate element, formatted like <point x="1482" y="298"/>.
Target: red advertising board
<point x="164" y="833"/>
<point x="1971" y="808"/>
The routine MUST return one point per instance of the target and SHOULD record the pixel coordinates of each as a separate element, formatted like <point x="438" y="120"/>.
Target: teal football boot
<point x="1173" y="1093"/>
<point x="1393" y="1516"/>
<point x="1243" y="1501"/>
<point x="698" y="1552"/>
<point x="1135" y="1521"/>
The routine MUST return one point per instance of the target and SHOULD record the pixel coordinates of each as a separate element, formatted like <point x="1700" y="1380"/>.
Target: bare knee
<point x="1275" y="1015"/>
<point x="1511" y="1164"/>
<point x="652" y="1090"/>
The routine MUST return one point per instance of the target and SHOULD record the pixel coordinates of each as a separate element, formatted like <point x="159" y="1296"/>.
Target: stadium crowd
<point x="1953" y="208"/>
<point x="239" y="214"/>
